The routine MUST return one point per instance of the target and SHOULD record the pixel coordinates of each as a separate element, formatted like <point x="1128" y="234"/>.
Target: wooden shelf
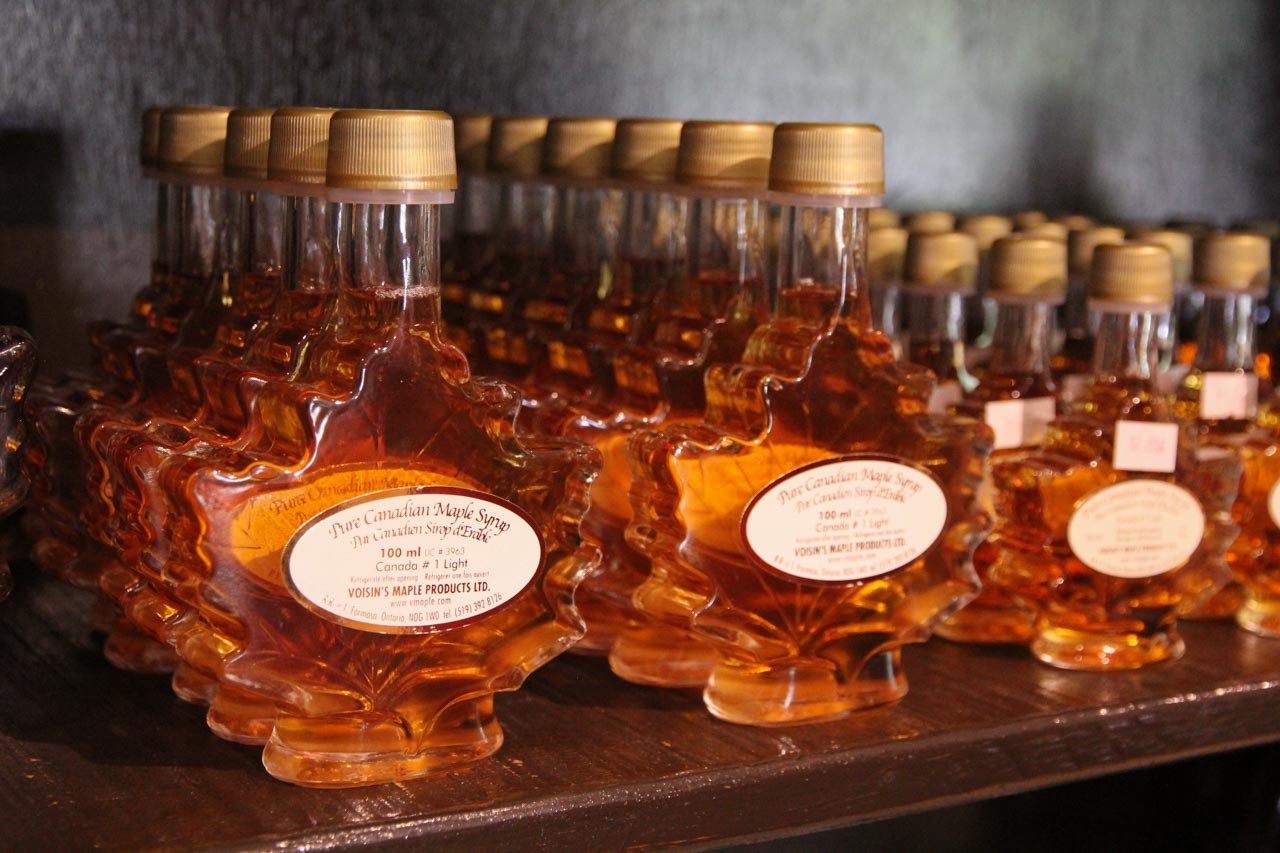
<point x="92" y="757"/>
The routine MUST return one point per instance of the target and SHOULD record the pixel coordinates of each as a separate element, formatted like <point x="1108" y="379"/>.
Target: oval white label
<point x="1273" y="503"/>
<point x="1136" y="528"/>
<point x="412" y="559"/>
<point x="844" y="519"/>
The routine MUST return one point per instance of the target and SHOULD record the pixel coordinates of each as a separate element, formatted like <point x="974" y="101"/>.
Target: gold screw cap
<point x="193" y="140"/>
<point x="827" y="159"/>
<point x="725" y="155"/>
<point x="1048" y="230"/>
<point x="646" y="150"/>
<point x="986" y="228"/>
<point x="1025" y="220"/>
<point x="1030" y="268"/>
<point x="471" y="140"/>
<point x="1075" y="221"/>
<point x="578" y="147"/>
<point x="930" y="222"/>
<point x="248" y="143"/>
<point x="947" y="261"/>
<point x="883" y="217"/>
<point x="1232" y="261"/>
<point x="1270" y="228"/>
<point x="886" y="250"/>
<point x="299" y="149"/>
<point x="1177" y="242"/>
<point x="1134" y="275"/>
<point x="396" y="150"/>
<point x="149" y="151"/>
<point x="515" y="146"/>
<point x="1082" y="243"/>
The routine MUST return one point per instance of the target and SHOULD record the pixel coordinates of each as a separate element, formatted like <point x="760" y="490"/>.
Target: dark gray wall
<point x="1121" y="108"/>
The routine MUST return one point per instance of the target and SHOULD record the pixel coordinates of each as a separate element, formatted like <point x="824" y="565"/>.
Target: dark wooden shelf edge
<point x="795" y="795"/>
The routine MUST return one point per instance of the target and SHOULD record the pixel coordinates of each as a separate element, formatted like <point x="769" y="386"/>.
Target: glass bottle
<point x="1180" y="328"/>
<point x="576" y="154"/>
<point x="643" y="259"/>
<point x="886" y="250"/>
<point x="416" y="559"/>
<point x="1119" y="525"/>
<point x="521" y="244"/>
<point x="883" y="217"/>
<point x="1075" y="221"/>
<point x="17" y="364"/>
<point x="702" y="314"/>
<point x="930" y="222"/>
<point x="1269" y="312"/>
<point x="938" y="272"/>
<point x="1017" y="399"/>
<point x="800" y="529"/>
<point x="980" y="312"/>
<point x="1219" y="396"/>
<point x="1025" y="220"/>
<point x="1072" y="363"/>
<point x="466" y="226"/>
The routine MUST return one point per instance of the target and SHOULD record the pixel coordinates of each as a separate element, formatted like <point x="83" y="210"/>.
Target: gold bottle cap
<point x="725" y="155"/>
<point x="1028" y="268"/>
<point x="578" y="148"/>
<point x="646" y="150"/>
<point x="845" y="160"/>
<point x="471" y="140"/>
<point x="299" y="149"/>
<point x="986" y="228"/>
<point x="193" y="140"/>
<point x="1131" y="277"/>
<point x="886" y="250"/>
<point x="1049" y="230"/>
<point x="515" y="146"/>
<point x="1270" y="228"/>
<point x="385" y="152"/>
<point x="248" y="143"/>
<point x="1236" y="262"/>
<point x="943" y="261"/>
<point x="1075" y="221"/>
<point x="883" y="217"/>
<point x="930" y="222"/>
<point x="1081" y="245"/>
<point x="1177" y="242"/>
<point x="1026" y="219"/>
<point x="149" y="153"/>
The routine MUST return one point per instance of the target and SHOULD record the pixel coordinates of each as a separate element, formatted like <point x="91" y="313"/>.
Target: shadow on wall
<point x="32" y="172"/>
<point x="1061" y="155"/>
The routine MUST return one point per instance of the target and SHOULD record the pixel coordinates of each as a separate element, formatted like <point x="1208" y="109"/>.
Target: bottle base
<point x="1260" y="616"/>
<point x="352" y="750"/>
<point x="192" y="686"/>
<point x="661" y="657"/>
<point x="1068" y="648"/>
<point x="240" y="717"/>
<point x="988" y="626"/>
<point x="801" y="691"/>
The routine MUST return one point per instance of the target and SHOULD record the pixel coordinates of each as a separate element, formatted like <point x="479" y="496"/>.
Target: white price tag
<point x="1074" y="385"/>
<point x="1141" y="446"/>
<point x="944" y="396"/>
<point x="1228" y="395"/>
<point x="1019" y="423"/>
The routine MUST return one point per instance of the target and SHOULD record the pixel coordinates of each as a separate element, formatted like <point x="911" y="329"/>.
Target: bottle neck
<point x="1023" y="338"/>
<point x="651" y="246"/>
<point x="525" y="217"/>
<point x="394" y="272"/>
<point x="822" y="277"/>
<point x="1127" y="346"/>
<point x="726" y="256"/>
<point x="317" y="238"/>
<point x="475" y="213"/>
<point x="203" y="213"/>
<point x="1225" y="332"/>
<point x="580" y="231"/>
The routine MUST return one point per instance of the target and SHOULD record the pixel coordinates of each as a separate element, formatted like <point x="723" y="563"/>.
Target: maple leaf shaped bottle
<point x="1119" y="524"/>
<point x="819" y="519"/>
<point x="702" y="315"/>
<point x="419" y="557"/>
<point x="1072" y="364"/>
<point x="1016" y="397"/>
<point x="1181" y="321"/>
<point x="1219" y="395"/>
<point x="17" y="364"/>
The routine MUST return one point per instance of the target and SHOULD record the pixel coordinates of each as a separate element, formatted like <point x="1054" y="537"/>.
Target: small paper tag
<point x="1074" y="385"/>
<point x="1019" y="423"/>
<point x="1167" y="381"/>
<point x="1228" y="395"/>
<point x="1141" y="446"/>
<point x="944" y="396"/>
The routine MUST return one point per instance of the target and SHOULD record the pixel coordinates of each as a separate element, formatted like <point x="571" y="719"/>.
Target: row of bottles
<point x="655" y="398"/>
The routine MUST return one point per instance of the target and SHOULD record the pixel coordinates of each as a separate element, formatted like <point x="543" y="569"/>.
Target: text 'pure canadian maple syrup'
<point x="1118" y="525"/>
<point x="417" y="557"/>
<point x="1017" y="398"/>
<point x="818" y="519"/>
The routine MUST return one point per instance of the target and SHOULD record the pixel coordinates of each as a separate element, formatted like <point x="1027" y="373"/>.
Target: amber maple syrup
<point x="1219" y="395"/>
<point x="1119" y="525"/>
<point x="799" y="531"/>
<point x="1017" y="399"/>
<point x="417" y="557"/>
